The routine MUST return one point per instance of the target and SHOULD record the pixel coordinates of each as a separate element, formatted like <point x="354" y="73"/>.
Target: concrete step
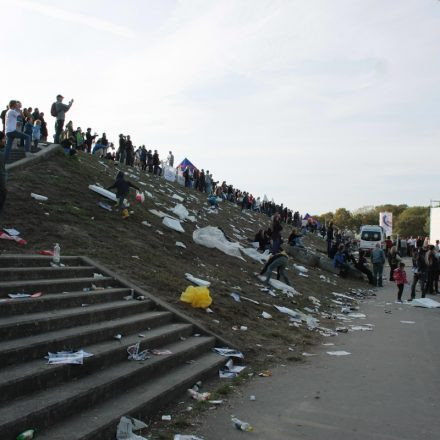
<point x="99" y="422"/>
<point x="39" y="273"/>
<point x="37" y="346"/>
<point x="36" y="323"/>
<point x="71" y="397"/>
<point x="29" y="377"/>
<point x="56" y="301"/>
<point x="51" y="286"/>
<point x="24" y="260"/>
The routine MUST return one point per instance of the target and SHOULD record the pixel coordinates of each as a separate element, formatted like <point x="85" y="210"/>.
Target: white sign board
<point x="434" y="229"/>
<point x="386" y="221"/>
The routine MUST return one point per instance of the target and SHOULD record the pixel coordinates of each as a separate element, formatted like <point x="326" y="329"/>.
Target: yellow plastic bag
<point x="198" y="297"/>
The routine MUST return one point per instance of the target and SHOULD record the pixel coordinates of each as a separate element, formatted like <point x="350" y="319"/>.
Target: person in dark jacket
<point x="2" y="172"/>
<point x="340" y="263"/>
<point x="419" y="271"/>
<point x="276" y="233"/>
<point x="329" y="238"/>
<point x="122" y="189"/>
<point x="278" y="262"/>
<point x="156" y="163"/>
<point x="362" y="265"/>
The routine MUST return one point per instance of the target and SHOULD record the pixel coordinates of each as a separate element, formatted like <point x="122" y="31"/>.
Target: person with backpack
<point x="58" y="111"/>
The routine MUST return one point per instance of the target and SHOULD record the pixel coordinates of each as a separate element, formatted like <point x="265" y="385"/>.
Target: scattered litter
<point x="254" y="254"/>
<point x="98" y="275"/>
<point x="105" y="206"/>
<point x="240" y="425"/>
<point x="243" y="328"/>
<point x="118" y="337"/>
<point x="342" y="329"/>
<point x="19" y="295"/>
<point x="140" y="197"/>
<point x="19" y="240"/>
<point x="199" y="396"/>
<point x="338" y="353"/>
<point x="328" y="344"/>
<point x="425" y="302"/>
<point x="135" y="355"/>
<point x="159" y="231"/>
<point x="186" y="437"/>
<point x="180" y="211"/>
<point x="266" y="315"/>
<point x="103" y="192"/>
<point x="180" y="244"/>
<point x="300" y="268"/>
<point x="279" y="285"/>
<point x="67" y="357"/>
<point x="228" y="352"/>
<point x="197" y="281"/>
<point x="166" y="418"/>
<point x="229" y="371"/>
<point x="305" y="354"/>
<point x="359" y="315"/>
<point x="12" y="232"/>
<point x="362" y="328"/>
<point x="252" y="398"/>
<point x="145" y="223"/>
<point x="126" y="427"/>
<point x="265" y="373"/>
<point x="26" y="435"/>
<point x="46" y="252"/>
<point x="158" y="213"/>
<point x="39" y="197"/>
<point x="198" y="297"/>
<point x="289" y="312"/>
<point x="249" y="299"/>
<point x="315" y="301"/>
<point x="177" y="197"/>
<point x="236" y="297"/>
<point x="215" y="402"/>
<point x="407" y="322"/>
<point x="173" y="224"/>
<point x="161" y="352"/>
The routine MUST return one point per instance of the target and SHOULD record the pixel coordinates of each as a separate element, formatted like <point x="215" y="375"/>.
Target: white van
<point x="370" y="235"/>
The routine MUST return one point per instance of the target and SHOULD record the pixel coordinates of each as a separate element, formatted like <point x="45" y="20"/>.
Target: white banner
<point x="386" y="221"/>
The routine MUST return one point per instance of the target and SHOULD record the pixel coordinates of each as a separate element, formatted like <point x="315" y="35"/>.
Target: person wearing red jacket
<point x="399" y="276"/>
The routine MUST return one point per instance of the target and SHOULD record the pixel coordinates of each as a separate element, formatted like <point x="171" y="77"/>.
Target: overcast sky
<point x="319" y="104"/>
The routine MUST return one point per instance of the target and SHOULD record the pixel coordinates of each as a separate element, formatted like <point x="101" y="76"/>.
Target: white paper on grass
<point x="300" y="268"/>
<point x="180" y="244"/>
<point x="103" y="192"/>
<point x="213" y="237"/>
<point x="357" y="315"/>
<point x="160" y="214"/>
<point x="341" y="295"/>
<point x="180" y="211"/>
<point x="186" y="437"/>
<point x="39" y="197"/>
<point x="257" y="256"/>
<point x="339" y="353"/>
<point x="266" y="315"/>
<point x="425" y="302"/>
<point x="230" y="370"/>
<point x="280" y="285"/>
<point x="197" y="281"/>
<point x="126" y="427"/>
<point x="177" y="197"/>
<point x="289" y="312"/>
<point x="12" y="232"/>
<point x="173" y="224"/>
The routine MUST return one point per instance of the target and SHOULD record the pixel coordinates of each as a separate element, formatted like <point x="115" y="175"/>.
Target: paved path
<point x="388" y="389"/>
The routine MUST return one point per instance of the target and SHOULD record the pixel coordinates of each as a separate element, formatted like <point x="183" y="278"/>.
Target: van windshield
<point x="370" y="236"/>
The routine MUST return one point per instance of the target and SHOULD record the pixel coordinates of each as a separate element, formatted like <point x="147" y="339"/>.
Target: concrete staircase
<point x="80" y="310"/>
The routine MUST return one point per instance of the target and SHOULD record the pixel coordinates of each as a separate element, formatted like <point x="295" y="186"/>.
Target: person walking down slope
<point x="399" y="276"/>
<point x="58" y="111"/>
<point x="122" y="189"/>
<point x="378" y="260"/>
<point x="278" y="262"/>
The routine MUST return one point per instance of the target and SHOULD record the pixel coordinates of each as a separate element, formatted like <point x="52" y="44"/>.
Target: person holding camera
<point x="58" y="111"/>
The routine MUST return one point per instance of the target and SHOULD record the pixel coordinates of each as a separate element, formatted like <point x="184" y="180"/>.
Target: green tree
<point x="343" y="218"/>
<point x="412" y="221"/>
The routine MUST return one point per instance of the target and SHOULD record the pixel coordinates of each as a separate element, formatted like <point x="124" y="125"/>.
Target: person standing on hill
<point x="378" y="260"/>
<point x="279" y="262"/>
<point x="276" y="233"/>
<point x="58" y="111"/>
<point x="3" y="117"/>
<point x="2" y="172"/>
<point x="11" y="128"/>
<point x="44" y="132"/>
<point x="170" y="159"/>
<point x="330" y="233"/>
<point x="156" y="163"/>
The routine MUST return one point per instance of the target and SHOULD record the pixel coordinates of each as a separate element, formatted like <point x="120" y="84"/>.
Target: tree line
<point x="407" y="220"/>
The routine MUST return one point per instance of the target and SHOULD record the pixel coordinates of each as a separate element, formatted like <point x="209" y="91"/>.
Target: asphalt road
<point x="388" y="388"/>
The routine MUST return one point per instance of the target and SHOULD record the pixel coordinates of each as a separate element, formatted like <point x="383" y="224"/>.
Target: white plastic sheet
<point x="213" y="237"/>
<point x="180" y="211"/>
<point x="169" y="173"/>
<point x="103" y="192"/>
<point x="228" y="352"/>
<point x="173" y="224"/>
<point x="39" y="197"/>
<point x="180" y="244"/>
<point x="197" y="281"/>
<point x="425" y="302"/>
<point x="289" y="312"/>
<point x="126" y="427"/>
<point x="257" y="256"/>
<point x="338" y="353"/>
<point x="67" y="357"/>
<point x="177" y="197"/>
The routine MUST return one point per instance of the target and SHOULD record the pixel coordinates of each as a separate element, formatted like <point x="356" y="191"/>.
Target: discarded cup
<point x="240" y="425"/>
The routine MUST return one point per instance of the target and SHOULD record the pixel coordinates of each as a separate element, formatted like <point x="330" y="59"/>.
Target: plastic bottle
<point x="56" y="254"/>
<point x="240" y="425"/>
<point x="26" y="435"/>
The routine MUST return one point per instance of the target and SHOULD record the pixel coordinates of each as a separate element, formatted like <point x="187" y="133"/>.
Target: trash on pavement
<point x="140" y="197"/>
<point x="166" y="418"/>
<point x="39" y="197"/>
<point x="228" y="352"/>
<point x="425" y="302"/>
<point x="161" y="352"/>
<point x="265" y="373"/>
<point x="67" y="357"/>
<point x="289" y="312"/>
<point x="338" y="353"/>
<point x="407" y="322"/>
<point x="26" y="435"/>
<point x="252" y="398"/>
<point x="105" y="206"/>
<point x="186" y="437"/>
<point x="357" y="315"/>
<point x="173" y="224"/>
<point x="236" y="297"/>
<point x="342" y="329"/>
<point x="199" y="396"/>
<point x="12" y="232"/>
<point x="145" y="223"/>
<point x="198" y="297"/>
<point x="126" y="427"/>
<point x="362" y="328"/>
<point x="266" y="315"/>
<point x="180" y="244"/>
<point x="240" y="425"/>
<point x="46" y="252"/>
<point x="300" y="268"/>
<point x="213" y="237"/>
<point x="305" y="354"/>
<point x="197" y="281"/>
<point x="135" y="355"/>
